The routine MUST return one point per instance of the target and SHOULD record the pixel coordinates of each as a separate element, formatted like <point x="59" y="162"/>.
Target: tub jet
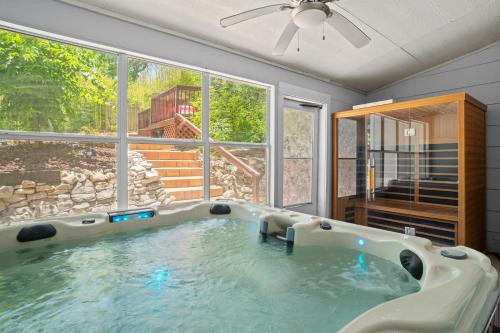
<point x="290" y="235"/>
<point x="264" y="226"/>
<point x="325" y="225"/>
<point x="220" y="209"/>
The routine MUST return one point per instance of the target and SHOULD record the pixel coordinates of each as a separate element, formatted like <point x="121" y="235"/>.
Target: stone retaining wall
<point x="236" y="184"/>
<point x="80" y="191"/>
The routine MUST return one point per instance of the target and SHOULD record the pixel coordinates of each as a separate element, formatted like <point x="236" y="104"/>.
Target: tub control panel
<point x="128" y="215"/>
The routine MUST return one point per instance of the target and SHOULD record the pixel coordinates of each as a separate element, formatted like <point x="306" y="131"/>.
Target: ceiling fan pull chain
<point x="298" y="41"/>
<point x="324" y="31"/>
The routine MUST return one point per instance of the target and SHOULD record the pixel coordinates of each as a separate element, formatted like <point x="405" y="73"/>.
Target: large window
<point x="47" y="86"/>
<point x="189" y="135"/>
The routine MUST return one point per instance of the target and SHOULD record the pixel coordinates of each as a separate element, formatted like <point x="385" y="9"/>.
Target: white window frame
<point x="121" y="139"/>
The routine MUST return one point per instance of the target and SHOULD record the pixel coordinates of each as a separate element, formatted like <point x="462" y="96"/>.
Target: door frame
<point x="323" y="188"/>
<point x="312" y="206"/>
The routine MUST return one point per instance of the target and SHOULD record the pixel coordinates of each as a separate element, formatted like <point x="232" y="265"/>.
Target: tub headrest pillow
<point x="220" y="209"/>
<point x="412" y="263"/>
<point x="36" y="232"/>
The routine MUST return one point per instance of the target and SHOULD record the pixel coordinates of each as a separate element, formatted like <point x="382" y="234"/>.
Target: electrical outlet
<point x="410" y="231"/>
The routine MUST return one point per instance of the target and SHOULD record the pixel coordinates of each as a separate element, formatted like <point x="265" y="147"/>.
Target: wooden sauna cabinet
<point x="418" y="164"/>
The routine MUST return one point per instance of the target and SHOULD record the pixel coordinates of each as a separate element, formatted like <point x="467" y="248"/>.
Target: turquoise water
<point x="209" y="275"/>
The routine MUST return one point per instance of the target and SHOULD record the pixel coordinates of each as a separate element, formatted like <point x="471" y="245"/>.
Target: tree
<point x="237" y="111"/>
<point x="149" y="79"/>
<point x="52" y="86"/>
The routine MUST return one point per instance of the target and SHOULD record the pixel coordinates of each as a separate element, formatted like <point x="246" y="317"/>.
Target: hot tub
<point x="235" y="267"/>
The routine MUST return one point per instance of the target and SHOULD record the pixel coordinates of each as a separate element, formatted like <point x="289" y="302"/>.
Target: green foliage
<point x="51" y="86"/>
<point x="55" y="87"/>
<point x="148" y="79"/>
<point x="237" y="112"/>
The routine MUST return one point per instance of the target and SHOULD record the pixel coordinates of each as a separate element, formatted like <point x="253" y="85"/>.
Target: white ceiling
<point x="408" y="36"/>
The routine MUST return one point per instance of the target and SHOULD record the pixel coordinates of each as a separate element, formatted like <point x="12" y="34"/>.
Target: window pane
<point x="298" y="134"/>
<point x="390" y="168"/>
<point x="41" y="178"/>
<point x="238" y="173"/>
<point x="238" y="111"/>
<point x="48" y="86"/>
<point x="375" y="132"/>
<point x="163" y="101"/>
<point x="390" y="134"/>
<point x="298" y="141"/>
<point x="348" y="138"/>
<point x="163" y="174"/>
<point x="346" y="178"/>
<point x="297" y="180"/>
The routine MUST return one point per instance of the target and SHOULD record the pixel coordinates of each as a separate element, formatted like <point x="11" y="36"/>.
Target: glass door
<point x="389" y="159"/>
<point x="374" y="168"/>
<point x="300" y="155"/>
<point x="352" y="179"/>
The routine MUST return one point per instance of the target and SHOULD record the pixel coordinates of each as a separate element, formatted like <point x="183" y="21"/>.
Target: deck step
<point x="176" y="163"/>
<point x="178" y="172"/>
<point x="170" y="154"/>
<point x="196" y="192"/>
<point x="189" y="181"/>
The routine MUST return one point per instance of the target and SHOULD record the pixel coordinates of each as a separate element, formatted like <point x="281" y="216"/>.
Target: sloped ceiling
<point x="408" y="36"/>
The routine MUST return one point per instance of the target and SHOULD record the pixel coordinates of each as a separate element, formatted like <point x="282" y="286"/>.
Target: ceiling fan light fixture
<point x="310" y="14"/>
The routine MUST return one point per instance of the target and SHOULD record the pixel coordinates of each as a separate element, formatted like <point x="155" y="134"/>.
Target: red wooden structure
<point x="158" y="121"/>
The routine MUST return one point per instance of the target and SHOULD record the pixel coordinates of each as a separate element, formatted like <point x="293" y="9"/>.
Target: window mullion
<point x="59" y="137"/>
<point x="205" y="93"/>
<point x="122" y="151"/>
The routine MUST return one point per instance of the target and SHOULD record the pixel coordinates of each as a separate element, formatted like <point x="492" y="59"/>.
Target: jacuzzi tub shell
<point x="455" y="295"/>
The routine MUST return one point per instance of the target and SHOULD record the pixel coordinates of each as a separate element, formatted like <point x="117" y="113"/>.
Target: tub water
<point x="207" y="275"/>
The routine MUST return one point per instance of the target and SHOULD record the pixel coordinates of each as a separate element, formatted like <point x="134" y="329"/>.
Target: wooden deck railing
<point x="165" y="105"/>
<point x="177" y="102"/>
<point x="245" y="168"/>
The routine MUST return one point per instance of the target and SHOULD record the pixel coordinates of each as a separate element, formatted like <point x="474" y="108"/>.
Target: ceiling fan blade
<point x="348" y="29"/>
<point x="250" y="14"/>
<point x="286" y="38"/>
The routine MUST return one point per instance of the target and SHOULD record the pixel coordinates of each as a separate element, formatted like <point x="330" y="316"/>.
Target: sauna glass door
<point x="391" y="169"/>
<point x="374" y="168"/>
<point x="351" y="171"/>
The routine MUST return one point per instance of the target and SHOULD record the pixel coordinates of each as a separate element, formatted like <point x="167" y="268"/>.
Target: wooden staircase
<point x="181" y="171"/>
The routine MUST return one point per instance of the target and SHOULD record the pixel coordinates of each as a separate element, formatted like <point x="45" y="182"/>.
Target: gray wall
<point x="478" y="73"/>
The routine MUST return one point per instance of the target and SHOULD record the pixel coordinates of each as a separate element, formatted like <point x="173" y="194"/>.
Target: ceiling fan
<point x="304" y="14"/>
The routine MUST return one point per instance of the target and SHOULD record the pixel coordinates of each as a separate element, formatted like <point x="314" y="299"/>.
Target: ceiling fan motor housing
<point x="310" y="14"/>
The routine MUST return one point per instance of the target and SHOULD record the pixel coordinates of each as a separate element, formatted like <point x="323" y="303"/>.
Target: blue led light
<point x="145" y="215"/>
<point x="361" y="242"/>
<point x="131" y="216"/>
<point x="159" y="278"/>
<point x="362" y="262"/>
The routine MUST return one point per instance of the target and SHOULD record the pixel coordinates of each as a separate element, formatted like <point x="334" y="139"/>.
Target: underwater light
<point x="361" y="242"/>
<point x="126" y="215"/>
<point x="362" y="262"/>
<point x="158" y="278"/>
